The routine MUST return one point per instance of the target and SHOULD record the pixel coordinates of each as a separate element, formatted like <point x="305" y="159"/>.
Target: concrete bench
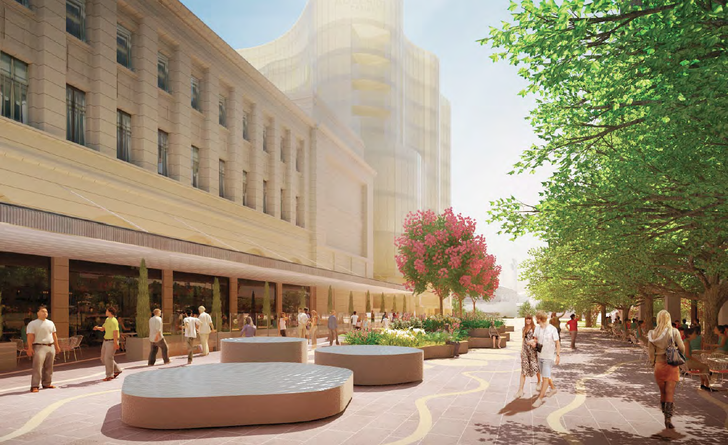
<point x="373" y="364"/>
<point x="234" y="394"/>
<point x="264" y="349"/>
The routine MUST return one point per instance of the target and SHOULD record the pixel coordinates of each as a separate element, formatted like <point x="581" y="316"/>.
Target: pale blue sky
<point x="488" y="118"/>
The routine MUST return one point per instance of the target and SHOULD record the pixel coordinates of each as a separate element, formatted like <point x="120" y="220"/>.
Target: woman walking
<point x="666" y="375"/>
<point x="314" y="328"/>
<point x="282" y="320"/>
<point x="529" y="358"/>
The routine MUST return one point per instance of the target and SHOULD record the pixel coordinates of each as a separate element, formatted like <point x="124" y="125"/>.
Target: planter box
<point x="479" y="333"/>
<point x="8" y="356"/>
<point x="464" y="347"/>
<point x="438" y="351"/>
<point x="502" y="329"/>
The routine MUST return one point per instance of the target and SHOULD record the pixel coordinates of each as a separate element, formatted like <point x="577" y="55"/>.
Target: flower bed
<point x="413" y="338"/>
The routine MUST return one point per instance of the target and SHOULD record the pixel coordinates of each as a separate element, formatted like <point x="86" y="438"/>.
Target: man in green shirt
<point x="111" y="343"/>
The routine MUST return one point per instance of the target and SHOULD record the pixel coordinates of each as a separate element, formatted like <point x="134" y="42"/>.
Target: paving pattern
<point x="606" y="396"/>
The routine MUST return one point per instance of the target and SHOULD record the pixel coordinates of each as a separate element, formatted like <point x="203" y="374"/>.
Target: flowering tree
<point x="442" y="252"/>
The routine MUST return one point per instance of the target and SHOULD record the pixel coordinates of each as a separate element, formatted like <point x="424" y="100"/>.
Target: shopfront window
<point x="24" y="284"/>
<point x="193" y="290"/>
<point x="94" y="286"/>
<point x="250" y="303"/>
<point x="293" y="298"/>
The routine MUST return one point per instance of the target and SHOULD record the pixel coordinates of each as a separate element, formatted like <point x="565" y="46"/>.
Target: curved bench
<point x="234" y="394"/>
<point x="264" y="349"/>
<point x="375" y="365"/>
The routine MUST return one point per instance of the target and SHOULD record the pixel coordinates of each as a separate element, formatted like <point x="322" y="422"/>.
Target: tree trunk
<point x="625" y="313"/>
<point x="441" y="305"/>
<point x="693" y="310"/>
<point x="713" y="301"/>
<point x="589" y="321"/>
<point x="649" y="312"/>
<point x="473" y="306"/>
<point x="604" y="314"/>
<point x="460" y="308"/>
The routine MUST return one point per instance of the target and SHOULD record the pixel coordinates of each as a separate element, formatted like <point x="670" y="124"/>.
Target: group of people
<point x="541" y="351"/>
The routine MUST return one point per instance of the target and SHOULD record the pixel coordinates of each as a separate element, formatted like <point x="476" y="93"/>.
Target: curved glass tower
<point x="353" y="55"/>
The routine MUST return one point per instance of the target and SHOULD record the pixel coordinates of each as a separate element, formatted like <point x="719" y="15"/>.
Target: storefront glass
<point x="24" y="285"/>
<point x="250" y="303"/>
<point x="193" y="290"/>
<point x="293" y="298"/>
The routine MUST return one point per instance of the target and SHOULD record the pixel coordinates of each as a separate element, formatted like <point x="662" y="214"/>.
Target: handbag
<point x="539" y="347"/>
<point x="673" y="354"/>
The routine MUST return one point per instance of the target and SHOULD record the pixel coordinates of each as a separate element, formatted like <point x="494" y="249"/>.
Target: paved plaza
<point x="606" y="396"/>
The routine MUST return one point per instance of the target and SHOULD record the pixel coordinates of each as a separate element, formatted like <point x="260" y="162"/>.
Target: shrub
<point x="363" y="338"/>
<point x="526" y="309"/>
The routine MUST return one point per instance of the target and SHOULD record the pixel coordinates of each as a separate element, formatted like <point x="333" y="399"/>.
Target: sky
<point x="489" y="127"/>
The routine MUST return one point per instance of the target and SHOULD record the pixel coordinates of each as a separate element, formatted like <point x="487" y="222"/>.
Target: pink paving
<point x="620" y="408"/>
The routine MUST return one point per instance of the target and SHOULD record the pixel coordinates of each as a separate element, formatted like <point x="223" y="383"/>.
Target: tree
<point x="351" y="302"/>
<point x="217" y="305"/>
<point x="330" y="304"/>
<point x="443" y="253"/>
<point x="404" y="304"/>
<point x="633" y="111"/>
<point x="394" y="303"/>
<point x="381" y="304"/>
<point x="526" y="310"/>
<point x="143" y="308"/>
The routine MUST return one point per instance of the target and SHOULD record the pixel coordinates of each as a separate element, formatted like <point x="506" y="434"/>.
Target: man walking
<point x="111" y="343"/>
<point x="206" y="327"/>
<point x="42" y="348"/>
<point x="302" y="322"/>
<point x="354" y="320"/>
<point x="156" y="338"/>
<point x="191" y="324"/>
<point x="333" y="325"/>
<point x="572" y="325"/>
<point x="547" y="338"/>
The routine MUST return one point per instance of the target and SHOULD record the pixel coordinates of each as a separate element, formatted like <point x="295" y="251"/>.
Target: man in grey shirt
<point x="156" y="338"/>
<point x="333" y="325"/>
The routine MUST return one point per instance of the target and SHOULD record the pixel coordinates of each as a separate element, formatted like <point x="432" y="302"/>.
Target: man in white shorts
<point x="547" y="337"/>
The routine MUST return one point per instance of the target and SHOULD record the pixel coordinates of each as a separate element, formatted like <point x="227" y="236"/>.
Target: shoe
<point x="116" y="374"/>
<point x="167" y="363"/>
<point x="49" y="387"/>
<point x="669" y="411"/>
<point x="551" y="392"/>
<point x="189" y="362"/>
<point x="108" y="379"/>
<point x="538" y="402"/>
<point x="33" y="389"/>
<point x="519" y="394"/>
<point x="707" y="388"/>
<point x="538" y="386"/>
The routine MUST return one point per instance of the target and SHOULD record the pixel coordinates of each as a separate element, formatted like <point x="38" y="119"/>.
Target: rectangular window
<point x="76" y="18"/>
<point x="163" y="72"/>
<point x="24" y="3"/>
<point x="123" y="46"/>
<point x="123" y="136"/>
<point x="283" y="215"/>
<point x="162" y="151"/>
<point x="195" y="167"/>
<point x="246" y="118"/>
<point x="299" y="212"/>
<point x="265" y="196"/>
<point x="265" y="139"/>
<point x="299" y="157"/>
<point x="196" y="102"/>
<point x="283" y="149"/>
<point x="245" y="188"/>
<point x="221" y="179"/>
<point x="75" y="115"/>
<point x="13" y="88"/>
<point x="223" y="111"/>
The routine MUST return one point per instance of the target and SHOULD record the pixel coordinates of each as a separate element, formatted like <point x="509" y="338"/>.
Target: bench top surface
<point x="264" y="340"/>
<point x="368" y="350"/>
<point x="234" y="379"/>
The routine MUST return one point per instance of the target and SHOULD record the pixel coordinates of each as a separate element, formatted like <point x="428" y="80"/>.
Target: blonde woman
<point x="529" y="358"/>
<point x="666" y="375"/>
<point x="314" y="328"/>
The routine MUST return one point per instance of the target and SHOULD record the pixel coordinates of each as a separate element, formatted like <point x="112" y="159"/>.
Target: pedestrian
<point x="666" y="375"/>
<point x="572" y="325"/>
<point x="385" y="321"/>
<point x="302" y="320"/>
<point x="110" y="328"/>
<point x="249" y="328"/>
<point x="314" y="328"/>
<point x="365" y="323"/>
<point x="282" y="324"/>
<point x="190" y="324"/>
<point x="547" y="344"/>
<point x="529" y="357"/>
<point x="206" y="327"/>
<point x="333" y="325"/>
<point x="42" y="348"/>
<point x="354" y="321"/>
<point x="156" y="338"/>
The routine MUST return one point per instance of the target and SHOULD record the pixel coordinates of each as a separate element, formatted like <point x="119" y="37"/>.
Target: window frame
<point x="265" y="139"/>
<point x="246" y="125"/>
<point x="221" y="178"/>
<point x="10" y="81"/>
<point x="80" y="5"/>
<point x="222" y="106"/>
<point x="283" y="149"/>
<point x="123" y="33"/>
<point x="162" y="153"/>
<point x="245" y="188"/>
<point x="299" y="158"/>
<point x="265" y="197"/>
<point x="163" y="82"/>
<point x="75" y="112"/>
<point x="123" y="134"/>
<point x="195" y="100"/>
<point x="283" y="202"/>
<point x="195" y="167"/>
<point x="25" y="3"/>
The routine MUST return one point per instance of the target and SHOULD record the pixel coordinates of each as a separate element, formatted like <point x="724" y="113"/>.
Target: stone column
<point x="47" y="92"/>
<point x="210" y="153"/>
<point x="233" y="296"/>
<point x="168" y="315"/>
<point x="144" y="123"/>
<point x="101" y="100"/>
<point x="672" y="305"/>
<point x="255" y="172"/>
<point x="279" y="298"/>
<point x="180" y="144"/>
<point x="275" y="178"/>
<point x="234" y="173"/>
<point x="314" y="299"/>
<point x="59" y="295"/>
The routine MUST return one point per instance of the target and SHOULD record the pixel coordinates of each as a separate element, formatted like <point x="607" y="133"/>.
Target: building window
<point x="246" y="118"/>
<point x="283" y="149"/>
<point x="265" y="139"/>
<point x="123" y="46"/>
<point x="299" y="212"/>
<point x="13" y="88"/>
<point x="283" y="215"/>
<point x="75" y="115"/>
<point x="76" y="18"/>
<point x="299" y="157"/>
<point x="196" y="103"/>
<point x="223" y="111"/>
<point x="265" y="196"/>
<point x="162" y="150"/>
<point x="123" y="136"/>
<point x="221" y="180"/>
<point x="24" y="3"/>
<point x="195" y="167"/>
<point x="163" y="72"/>
<point x="245" y="188"/>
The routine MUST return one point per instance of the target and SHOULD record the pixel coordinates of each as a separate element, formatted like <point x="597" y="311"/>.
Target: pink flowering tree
<point x="443" y="253"/>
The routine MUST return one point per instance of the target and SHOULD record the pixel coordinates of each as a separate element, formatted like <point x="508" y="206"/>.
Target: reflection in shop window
<point x="25" y="285"/>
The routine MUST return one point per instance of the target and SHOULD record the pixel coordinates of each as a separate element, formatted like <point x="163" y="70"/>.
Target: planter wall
<point x="8" y="356"/>
<point x="478" y="342"/>
<point x="438" y="351"/>
<point x="510" y="329"/>
<point x="480" y="333"/>
<point x="464" y="347"/>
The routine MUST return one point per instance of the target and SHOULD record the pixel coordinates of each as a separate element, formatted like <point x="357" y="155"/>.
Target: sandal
<point x="116" y="374"/>
<point x="108" y="379"/>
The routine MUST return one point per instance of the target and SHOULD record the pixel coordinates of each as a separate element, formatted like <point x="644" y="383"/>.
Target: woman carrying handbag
<point x="667" y="353"/>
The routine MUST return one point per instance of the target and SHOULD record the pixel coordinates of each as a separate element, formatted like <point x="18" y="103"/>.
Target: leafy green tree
<point x="143" y="308"/>
<point x="381" y="304"/>
<point x="302" y="294"/>
<point x="217" y="305"/>
<point x="526" y="309"/>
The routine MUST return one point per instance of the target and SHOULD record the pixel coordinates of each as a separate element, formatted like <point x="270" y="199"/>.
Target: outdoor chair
<point x="718" y="364"/>
<point x="692" y="372"/>
<point x="21" y="349"/>
<point x="65" y="345"/>
<point x="77" y="345"/>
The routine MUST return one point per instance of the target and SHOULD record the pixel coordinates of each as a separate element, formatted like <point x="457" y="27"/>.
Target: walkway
<point x="461" y="401"/>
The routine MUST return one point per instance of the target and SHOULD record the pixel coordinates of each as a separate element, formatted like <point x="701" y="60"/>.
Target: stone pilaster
<point x="59" y="295"/>
<point x="234" y="173"/>
<point x="144" y="123"/>
<point x="180" y="144"/>
<point x="210" y="152"/>
<point x="233" y="296"/>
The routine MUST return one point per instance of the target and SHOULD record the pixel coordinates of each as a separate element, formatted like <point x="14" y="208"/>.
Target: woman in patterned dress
<point x="529" y="359"/>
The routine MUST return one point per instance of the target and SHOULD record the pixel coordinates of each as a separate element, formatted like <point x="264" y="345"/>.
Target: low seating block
<point x="264" y="349"/>
<point x="373" y="364"/>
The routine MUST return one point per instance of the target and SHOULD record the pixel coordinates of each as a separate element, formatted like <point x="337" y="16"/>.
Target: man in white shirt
<point x="156" y="338"/>
<point x="547" y="336"/>
<point x="191" y="324"/>
<point x="302" y="322"/>
<point x="42" y="347"/>
<point x="354" y="320"/>
<point x="206" y="327"/>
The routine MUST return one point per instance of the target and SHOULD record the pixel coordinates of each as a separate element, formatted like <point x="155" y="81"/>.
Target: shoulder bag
<point x="673" y="354"/>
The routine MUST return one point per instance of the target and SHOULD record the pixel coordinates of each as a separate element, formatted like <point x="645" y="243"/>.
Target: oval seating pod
<point x="234" y="394"/>
<point x="375" y="365"/>
<point x="264" y="349"/>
